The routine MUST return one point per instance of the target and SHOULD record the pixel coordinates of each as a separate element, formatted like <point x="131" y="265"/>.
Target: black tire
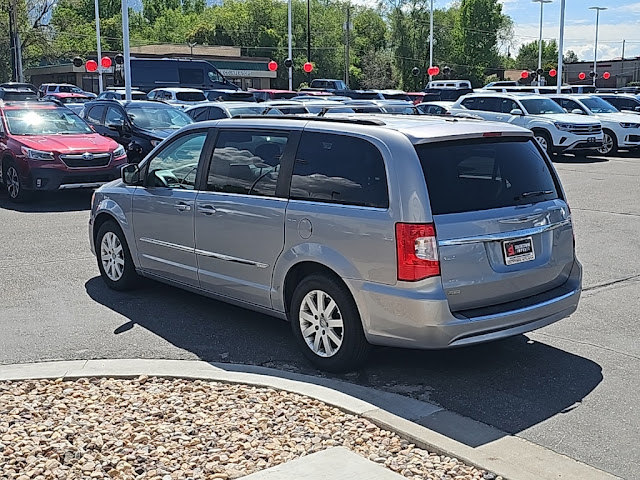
<point x="608" y="152"/>
<point x="542" y="136"/>
<point x="128" y="279"/>
<point x="14" y="186"/>
<point x="354" y="348"/>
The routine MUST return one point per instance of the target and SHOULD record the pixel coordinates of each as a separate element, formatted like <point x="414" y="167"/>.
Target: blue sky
<point x="620" y="21"/>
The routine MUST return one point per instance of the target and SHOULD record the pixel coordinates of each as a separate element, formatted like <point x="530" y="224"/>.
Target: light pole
<point x="191" y="45"/>
<point x="99" y="47"/>
<point x="560" y="48"/>
<point x="125" y="50"/>
<point x="431" y="40"/>
<point x="595" y="55"/>
<point x="289" y="46"/>
<point x="541" y="2"/>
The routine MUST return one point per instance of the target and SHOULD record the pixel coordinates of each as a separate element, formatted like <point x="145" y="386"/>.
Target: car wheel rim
<point x="112" y="256"/>
<point x="607" y="144"/>
<point x="543" y="142"/>
<point x="13" y="182"/>
<point x="321" y="323"/>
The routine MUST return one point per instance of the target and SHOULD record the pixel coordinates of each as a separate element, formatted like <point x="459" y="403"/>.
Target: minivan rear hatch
<point x="503" y="227"/>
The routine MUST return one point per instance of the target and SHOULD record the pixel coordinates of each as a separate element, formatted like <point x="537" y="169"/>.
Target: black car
<point x="137" y="125"/>
<point x="17" y="94"/>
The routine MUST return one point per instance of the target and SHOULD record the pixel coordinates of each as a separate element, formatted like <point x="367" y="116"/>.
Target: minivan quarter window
<point x="246" y="162"/>
<point x="176" y="165"/>
<point x="341" y="169"/>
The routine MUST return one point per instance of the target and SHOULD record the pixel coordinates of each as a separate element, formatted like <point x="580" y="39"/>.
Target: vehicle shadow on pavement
<point x="510" y="385"/>
<point x="46" y="202"/>
<point x="578" y="159"/>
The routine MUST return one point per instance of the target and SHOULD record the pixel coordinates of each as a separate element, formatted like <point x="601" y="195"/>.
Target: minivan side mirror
<point x="577" y="111"/>
<point x="517" y="112"/>
<point x="130" y="174"/>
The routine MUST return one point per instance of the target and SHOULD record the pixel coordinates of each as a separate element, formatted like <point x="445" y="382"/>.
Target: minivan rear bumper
<point x="421" y="318"/>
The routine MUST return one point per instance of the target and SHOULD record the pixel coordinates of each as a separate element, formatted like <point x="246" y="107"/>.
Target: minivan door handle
<point x="207" y="209"/>
<point x="183" y="207"/>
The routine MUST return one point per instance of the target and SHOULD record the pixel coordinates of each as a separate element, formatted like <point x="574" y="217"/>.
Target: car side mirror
<point x="131" y="174"/>
<point x="577" y="111"/>
<point x="516" y="112"/>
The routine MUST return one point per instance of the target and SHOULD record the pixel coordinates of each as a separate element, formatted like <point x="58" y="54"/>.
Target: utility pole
<point x="431" y="40"/>
<point x="595" y="55"/>
<point x="99" y="49"/>
<point x="622" y="62"/>
<point x="347" y="59"/>
<point x="542" y="2"/>
<point x="561" y="48"/>
<point x="126" y="52"/>
<point x="15" y="41"/>
<point x="309" y="38"/>
<point x="289" y="46"/>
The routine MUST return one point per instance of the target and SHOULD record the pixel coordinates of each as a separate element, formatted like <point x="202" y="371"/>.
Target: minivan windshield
<point x="539" y="106"/>
<point x="45" y="121"/>
<point x="157" y="118"/>
<point x="485" y="174"/>
<point x="598" y="105"/>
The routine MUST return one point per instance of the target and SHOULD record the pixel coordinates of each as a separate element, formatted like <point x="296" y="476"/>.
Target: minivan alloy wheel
<point x="112" y="256"/>
<point x="321" y="323"/>
<point x="13" y="182"/>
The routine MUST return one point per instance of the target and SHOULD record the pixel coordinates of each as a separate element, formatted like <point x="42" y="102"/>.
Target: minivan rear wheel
<point x="327" y="326"/>
<point x="114" y="258"/>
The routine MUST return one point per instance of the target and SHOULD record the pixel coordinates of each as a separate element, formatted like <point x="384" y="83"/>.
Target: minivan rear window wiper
<point x="537" y="193"/>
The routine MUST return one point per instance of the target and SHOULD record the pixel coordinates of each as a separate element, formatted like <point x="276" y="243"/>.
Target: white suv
<point x="179" y="97"/>
<point x="555" y="130"/>
<point x="620" y="129"/>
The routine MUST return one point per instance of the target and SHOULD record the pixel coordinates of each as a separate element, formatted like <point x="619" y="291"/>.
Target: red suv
<point x="44" y="146"/>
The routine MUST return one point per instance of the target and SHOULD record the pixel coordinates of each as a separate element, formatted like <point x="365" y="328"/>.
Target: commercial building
<point x="246" y="72"/>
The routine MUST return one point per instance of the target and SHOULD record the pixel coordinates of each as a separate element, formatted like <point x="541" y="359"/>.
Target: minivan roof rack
<point x="357" y="121"/>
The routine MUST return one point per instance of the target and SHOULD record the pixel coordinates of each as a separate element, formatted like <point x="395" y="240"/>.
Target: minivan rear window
<point x="485" y="174"/>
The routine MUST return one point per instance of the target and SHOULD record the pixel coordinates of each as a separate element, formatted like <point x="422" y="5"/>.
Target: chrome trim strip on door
<point x="229" y="258"/>
<point x="204" y="253"/>
<point x="499" y="237"/>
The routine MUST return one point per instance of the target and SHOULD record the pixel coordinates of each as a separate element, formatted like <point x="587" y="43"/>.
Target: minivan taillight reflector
<point x="417" y="251"/>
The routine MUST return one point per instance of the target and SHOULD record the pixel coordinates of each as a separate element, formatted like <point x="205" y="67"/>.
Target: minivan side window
<point x="175" y="166"/>
<point x="94" y="115"/>
<point x="246" y="162"/>
<point x="339" y="169"/>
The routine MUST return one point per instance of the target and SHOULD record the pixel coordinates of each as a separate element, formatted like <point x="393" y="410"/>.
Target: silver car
<point x="420" y="232"/>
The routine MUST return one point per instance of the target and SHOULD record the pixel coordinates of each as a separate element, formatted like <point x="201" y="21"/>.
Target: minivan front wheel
<point x="326" y="324"/>
<point x="114" y="259"/>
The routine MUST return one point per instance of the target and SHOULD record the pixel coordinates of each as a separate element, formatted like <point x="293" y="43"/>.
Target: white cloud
<point x="630" y="8"/>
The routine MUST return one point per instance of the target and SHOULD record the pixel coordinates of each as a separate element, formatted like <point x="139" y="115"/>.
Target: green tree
<point x="477" y="35"/>
<point x="571" y="57"/>
<point x="528" y="55"/>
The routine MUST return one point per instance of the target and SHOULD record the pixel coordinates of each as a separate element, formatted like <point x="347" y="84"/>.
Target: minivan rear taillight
<point x="417" y="251"/>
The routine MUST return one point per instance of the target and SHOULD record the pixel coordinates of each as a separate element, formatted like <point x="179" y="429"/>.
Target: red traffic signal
<point x="308" y="67"/>
<point x="273" y="66"/>
<point x="91" y="66"/>
<point x="433" y="71"/>
<point x="553" y="72"/>
<point x="606" y="75"/>
<point x="524" y="74"/>
<point x="105" y="62"/>
<point x="582" y="75"/>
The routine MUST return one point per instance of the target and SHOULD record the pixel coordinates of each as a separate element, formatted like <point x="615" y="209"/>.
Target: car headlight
<point x="565" y="127"/>
<point x="119" y="152"/>
<point x="155" y="143"/>
<point x="36" y="154"/>
<point x="629" y="125"/>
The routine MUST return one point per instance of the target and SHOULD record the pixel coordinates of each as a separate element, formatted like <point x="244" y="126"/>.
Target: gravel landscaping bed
<point x="171" y="429"/>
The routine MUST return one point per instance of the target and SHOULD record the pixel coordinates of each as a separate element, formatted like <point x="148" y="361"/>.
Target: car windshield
<point x="598" y="105"/>
<point x="540" y="106"/>
<point x="236" y="111"/>
<point x="190" y="97"/>
<point x="152" y="118"/>
<point x="45" y="121"/>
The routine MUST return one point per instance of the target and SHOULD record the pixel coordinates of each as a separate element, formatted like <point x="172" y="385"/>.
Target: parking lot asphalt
<point x="571" y="387"/>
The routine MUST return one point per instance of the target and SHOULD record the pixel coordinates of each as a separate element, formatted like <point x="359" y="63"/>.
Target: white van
<point x="449" y="84"/>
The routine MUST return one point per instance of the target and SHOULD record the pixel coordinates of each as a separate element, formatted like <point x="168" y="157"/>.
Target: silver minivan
<point x="418" y="232"/>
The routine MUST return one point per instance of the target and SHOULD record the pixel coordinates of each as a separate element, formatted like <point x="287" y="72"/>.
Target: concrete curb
<point x="427" y="426"/>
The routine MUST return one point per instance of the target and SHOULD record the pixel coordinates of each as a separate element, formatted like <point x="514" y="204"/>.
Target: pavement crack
<point x="595" y="345"/>
<point x="605" y="211"/>
<point x="613" y="282"/>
